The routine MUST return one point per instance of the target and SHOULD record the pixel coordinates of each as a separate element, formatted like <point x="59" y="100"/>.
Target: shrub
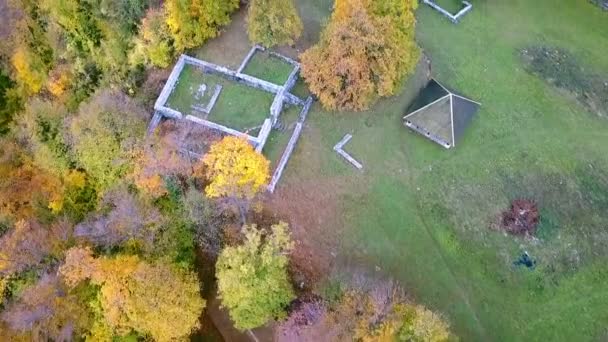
<point x="273" y="22"/>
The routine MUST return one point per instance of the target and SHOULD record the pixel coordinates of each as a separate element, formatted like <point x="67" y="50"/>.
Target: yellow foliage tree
<point x="365" y="52"/>
<point x="154" y="299"/>
<point x="273" y="22"/>
<point x="29" y="69"/>
<point x="192" y="22"/>
<point x="235" y="170"/>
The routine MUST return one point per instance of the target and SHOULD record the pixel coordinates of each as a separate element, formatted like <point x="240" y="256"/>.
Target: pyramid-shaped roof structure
<point x="440" y="114"/>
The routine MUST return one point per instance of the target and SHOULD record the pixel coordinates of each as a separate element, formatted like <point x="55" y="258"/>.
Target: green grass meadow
<point x="425" y="215"/>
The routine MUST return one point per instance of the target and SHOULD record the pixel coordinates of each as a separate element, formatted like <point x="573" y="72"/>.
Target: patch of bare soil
<point x="231" y="45"/>
<point x="311" y="209"/>
<point x="522" y="218"/>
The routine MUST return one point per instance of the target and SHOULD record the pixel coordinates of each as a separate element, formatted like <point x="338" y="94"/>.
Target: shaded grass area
<point x="425" y="215"/>
<point x="278" y="139"/>
<point x="269" y="68"/>
<point x="560" y="68"/>
<point x="239" y="106"/>
<point x="300" y="89"/>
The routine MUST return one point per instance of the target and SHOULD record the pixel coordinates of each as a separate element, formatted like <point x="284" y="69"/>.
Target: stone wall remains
<point x="455" y="18"/>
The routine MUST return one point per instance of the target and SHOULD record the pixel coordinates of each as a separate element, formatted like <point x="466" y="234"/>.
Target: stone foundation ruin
<point x="282" y="97"/>
<point x="454" y="18"/>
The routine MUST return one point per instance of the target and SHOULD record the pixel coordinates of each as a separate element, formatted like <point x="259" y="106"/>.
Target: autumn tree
<point x="160" y="158"/>
<point x="365" y="52"/>
<point x="105" y="135"/>
<point x="28" y="243"/>
<point x="26" y="189"/>
<point x="367" y="310"/>
<point x="154" y="299"/>
<point x="32" y="55"/>
<point x="125" y="218"/>
<point x="236" y="171"/>
<point x="252" y="278"/>
<point x="59" y="80"/>
<point x="40" y="129"/>
<point x="29" y="69"/>
<point x="45" y="311"/>
<point x="23" y="246"/>
<point x="192" y="22"/>
<point x="273" y="22"/>
<point x="154" y="44"/>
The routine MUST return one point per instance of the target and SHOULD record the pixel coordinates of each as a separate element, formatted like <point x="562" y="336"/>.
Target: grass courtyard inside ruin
<point x="238" y="106"/>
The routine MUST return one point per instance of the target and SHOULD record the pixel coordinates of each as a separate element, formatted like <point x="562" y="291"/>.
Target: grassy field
<point x="269" y="68"/>
<point x="424" y="215"/>
<point x="239" y="107"/>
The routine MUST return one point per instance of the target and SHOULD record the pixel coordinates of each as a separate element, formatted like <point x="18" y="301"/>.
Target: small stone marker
<point x="338" y="148"/>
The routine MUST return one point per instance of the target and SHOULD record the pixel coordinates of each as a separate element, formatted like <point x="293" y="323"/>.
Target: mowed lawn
<point x="424" y="215"/>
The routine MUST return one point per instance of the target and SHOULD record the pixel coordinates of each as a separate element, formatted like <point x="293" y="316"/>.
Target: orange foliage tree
<point x="365" y="52"/>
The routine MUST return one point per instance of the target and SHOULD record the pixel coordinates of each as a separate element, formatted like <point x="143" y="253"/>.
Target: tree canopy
<point x="365" y="52"/>
<point x="105" y="133"/>
<point x="192" y="22"/>
<point x="154" y="299"/>
<point x="235" y="169"/>
<point x="273" y="22"/>
<point x="252" y="278"/>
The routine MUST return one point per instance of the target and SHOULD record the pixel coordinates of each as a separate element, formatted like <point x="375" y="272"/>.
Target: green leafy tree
<point x="105" y="135"/>
<point x="10" y="101"/>
<point x="40" y="130"/>
<point x="126" y="13"/>
<point x="154" y="45"/>
<point x="273" y="22"/>
<point x="192" y="22"/>
<point x="252" y="278"/>
<point x="79" y="23"/>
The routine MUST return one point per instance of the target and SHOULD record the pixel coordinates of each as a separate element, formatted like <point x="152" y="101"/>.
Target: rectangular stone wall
<point x="263" y="135"/>
<point x="170" y="84"/>
<point x="278" y="172"/>
<point x="221" y="128"/>
<point x="453" y="17"/>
